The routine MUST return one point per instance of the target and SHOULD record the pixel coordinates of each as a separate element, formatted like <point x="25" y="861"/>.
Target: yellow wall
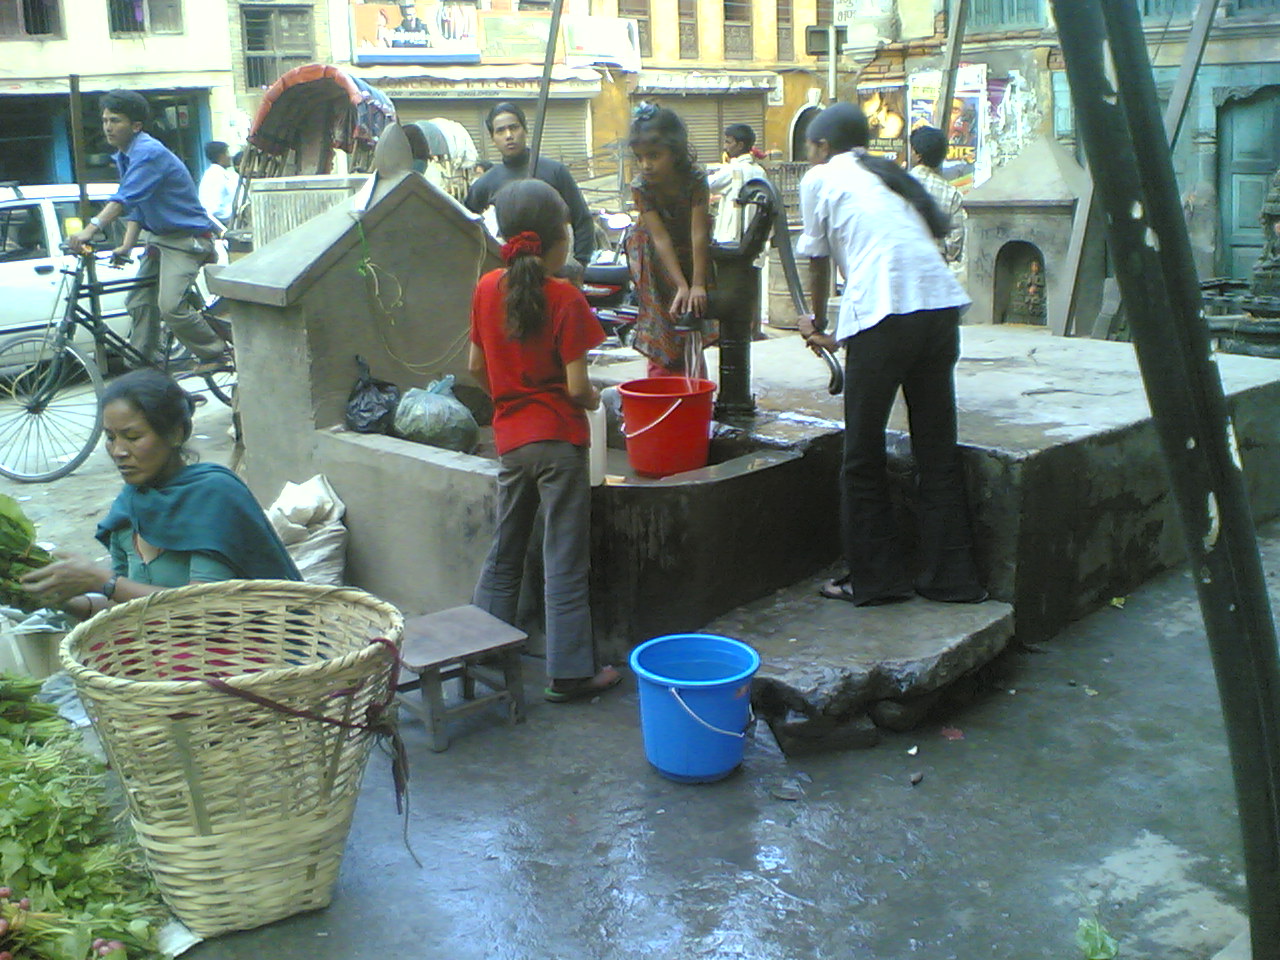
<point x="917" y="18"/>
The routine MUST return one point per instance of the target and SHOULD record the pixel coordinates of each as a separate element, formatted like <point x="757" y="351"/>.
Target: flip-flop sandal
<point x="837" y="589"/>
<point x="842" y="589"/>
<point x="584" y="690"/>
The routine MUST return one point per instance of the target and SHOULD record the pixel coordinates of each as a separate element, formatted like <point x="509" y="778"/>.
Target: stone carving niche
<point x="1022" y="226"/>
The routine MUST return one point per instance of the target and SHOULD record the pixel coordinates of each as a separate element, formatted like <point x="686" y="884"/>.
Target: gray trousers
<point x="554" y="474"/>
<point x="179" y="260"/>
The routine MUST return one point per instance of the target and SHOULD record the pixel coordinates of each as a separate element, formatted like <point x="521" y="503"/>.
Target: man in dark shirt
<point x="158" y="199"/>
<point x="509" y="130"/>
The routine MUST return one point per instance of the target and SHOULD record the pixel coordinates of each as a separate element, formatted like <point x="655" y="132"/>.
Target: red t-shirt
<point x="526" y="377"/>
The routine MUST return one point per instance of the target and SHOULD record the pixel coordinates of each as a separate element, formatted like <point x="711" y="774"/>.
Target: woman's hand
<point x="56" y="584"/>
<point x="680" y="304"/>
<point x="814" y="338"/>
<point x="698" y="300"/>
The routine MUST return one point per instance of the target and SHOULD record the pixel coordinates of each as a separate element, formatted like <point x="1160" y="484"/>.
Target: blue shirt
<point x="157" y="190"/>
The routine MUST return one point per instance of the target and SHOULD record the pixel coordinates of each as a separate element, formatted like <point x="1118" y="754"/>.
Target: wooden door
<point x="1248" y="154"/>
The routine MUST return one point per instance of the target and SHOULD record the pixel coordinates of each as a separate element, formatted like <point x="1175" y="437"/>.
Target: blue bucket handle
<point x="751" y="718"/>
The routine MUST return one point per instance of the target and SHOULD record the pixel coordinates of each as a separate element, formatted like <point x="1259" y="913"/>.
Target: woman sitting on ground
<point x="175" y="522"/>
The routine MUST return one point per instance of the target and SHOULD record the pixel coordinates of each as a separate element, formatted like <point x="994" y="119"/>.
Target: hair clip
<point x="647" y="110"/>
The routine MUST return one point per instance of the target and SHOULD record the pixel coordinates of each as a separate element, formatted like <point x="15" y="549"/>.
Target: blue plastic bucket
<point x="695" y="703"/>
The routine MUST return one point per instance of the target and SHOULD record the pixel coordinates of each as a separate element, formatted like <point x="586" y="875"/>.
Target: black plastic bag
<point x="371" y="407"/>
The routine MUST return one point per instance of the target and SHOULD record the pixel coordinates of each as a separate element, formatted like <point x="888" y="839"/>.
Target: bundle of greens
<point x="19" y="554"/>
<point x="71" y="888"/>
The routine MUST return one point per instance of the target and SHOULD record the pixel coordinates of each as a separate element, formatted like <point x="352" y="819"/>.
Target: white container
<point x="599" y="436"/>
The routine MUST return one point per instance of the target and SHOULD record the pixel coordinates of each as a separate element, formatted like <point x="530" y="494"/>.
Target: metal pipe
<point x="1115" y="102"/>
<point x="82" y="181"/>
<point x="544" y="88"/>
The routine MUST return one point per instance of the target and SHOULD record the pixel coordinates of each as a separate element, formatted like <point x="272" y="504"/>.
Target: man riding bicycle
<point x="158" y="199"/>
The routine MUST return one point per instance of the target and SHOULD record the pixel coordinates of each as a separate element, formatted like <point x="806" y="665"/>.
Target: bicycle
<point x="50" y="417"/>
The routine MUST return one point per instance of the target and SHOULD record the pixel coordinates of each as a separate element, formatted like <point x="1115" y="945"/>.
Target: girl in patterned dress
<point x="669" y="249"/>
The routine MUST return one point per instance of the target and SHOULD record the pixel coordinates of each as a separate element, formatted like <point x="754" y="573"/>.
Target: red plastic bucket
<point x="667" y="423"/>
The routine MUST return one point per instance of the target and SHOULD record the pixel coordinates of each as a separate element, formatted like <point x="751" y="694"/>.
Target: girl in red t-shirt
<point x="530" y="333"/>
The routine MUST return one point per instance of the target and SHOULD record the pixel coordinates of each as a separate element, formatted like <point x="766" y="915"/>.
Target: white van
<point x="34" y="221"/>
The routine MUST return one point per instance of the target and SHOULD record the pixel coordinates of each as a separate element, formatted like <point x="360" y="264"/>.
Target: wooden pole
<point x="77" y="145"/>
<point x="951" y="62"/>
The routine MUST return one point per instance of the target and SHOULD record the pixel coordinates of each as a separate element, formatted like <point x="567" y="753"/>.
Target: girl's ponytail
<point x="844" y="127"/>
<point x="526" y="300"/>
<point x="533" y="216"/>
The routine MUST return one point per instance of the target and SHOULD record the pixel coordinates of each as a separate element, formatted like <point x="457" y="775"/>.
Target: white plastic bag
<point x="308" y="519"/>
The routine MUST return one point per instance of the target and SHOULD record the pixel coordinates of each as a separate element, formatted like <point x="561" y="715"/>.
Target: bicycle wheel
<point x="49" y="408"/>
<point x="222" y="385"/>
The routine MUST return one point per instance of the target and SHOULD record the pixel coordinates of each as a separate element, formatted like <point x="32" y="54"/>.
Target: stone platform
<point x="1071" y="508"/>
<point x="1070" y="498"/>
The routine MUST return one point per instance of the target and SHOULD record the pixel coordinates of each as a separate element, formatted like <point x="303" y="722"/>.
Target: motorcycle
<point x="606" y="280"/>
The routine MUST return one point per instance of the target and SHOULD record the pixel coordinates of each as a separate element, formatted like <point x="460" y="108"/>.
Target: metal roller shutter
<point x="706" y="118"/>
<point x="566" y="137"/>
<point x="744" y="109"/>
<point x="701" y="115"/>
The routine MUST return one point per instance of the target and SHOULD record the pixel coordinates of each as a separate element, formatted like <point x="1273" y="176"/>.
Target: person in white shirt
<point x="726" y="181"/>
<point x="899" y="323"/>
<point x="219" y="182"/>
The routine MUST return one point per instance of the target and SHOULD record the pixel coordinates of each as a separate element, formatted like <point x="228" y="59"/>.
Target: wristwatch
<point x="109" y="587"/>
<point x="96" y="222"/>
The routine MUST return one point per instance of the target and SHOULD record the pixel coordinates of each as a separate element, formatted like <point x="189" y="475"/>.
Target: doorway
<point x="1248" y="155"/>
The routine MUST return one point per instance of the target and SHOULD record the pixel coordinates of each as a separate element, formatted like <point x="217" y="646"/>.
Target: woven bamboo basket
<point x="242" y="809"/>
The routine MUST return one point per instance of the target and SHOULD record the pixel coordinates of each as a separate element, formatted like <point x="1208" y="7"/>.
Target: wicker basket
<point x="242" y="809"/>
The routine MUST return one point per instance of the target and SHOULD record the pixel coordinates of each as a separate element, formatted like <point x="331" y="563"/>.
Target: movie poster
<point x="885" y="107"/>
<point x="968" y="163"/>
<point x="414" y="33"/>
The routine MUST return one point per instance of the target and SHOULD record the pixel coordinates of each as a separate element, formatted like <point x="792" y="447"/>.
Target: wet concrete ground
<point x="1090" y="779"/>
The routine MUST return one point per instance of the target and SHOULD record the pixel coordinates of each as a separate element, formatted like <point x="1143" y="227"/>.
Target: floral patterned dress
<point x="655" y="335"/>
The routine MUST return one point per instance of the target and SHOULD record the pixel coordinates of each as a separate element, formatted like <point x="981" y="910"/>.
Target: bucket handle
<point x="645" y="429"/>
<point x="728" y="733"/>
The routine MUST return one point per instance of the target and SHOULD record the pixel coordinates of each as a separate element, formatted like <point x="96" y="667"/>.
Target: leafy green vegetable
<point x="70" y="881"/>
<point x="18" y="554"/>
<point x="1094" y="941"/>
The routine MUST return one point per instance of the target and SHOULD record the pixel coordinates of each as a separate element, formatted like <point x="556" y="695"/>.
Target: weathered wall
<point x="990" y="228"/>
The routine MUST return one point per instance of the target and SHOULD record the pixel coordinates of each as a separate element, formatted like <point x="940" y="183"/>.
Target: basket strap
<point x="379" y="721"/>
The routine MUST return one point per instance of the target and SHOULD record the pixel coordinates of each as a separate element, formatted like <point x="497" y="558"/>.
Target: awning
<point x="518" y="81"/>
<point x="692" y="81"/>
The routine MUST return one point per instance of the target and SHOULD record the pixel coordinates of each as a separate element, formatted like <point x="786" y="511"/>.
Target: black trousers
<point x="917" y="352"/>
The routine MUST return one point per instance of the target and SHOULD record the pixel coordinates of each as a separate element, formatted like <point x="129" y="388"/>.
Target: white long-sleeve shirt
<point x="218" y="191"/>
<point x="878" y="242"/>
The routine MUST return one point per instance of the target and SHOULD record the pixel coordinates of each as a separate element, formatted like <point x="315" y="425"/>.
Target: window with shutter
<point x="737" y="30"/>
<point x="24" y="19"/>
<point x="992" y="15"/>
<point x="786" y="32"/>
<point x="276" y="39"/>
<point x="144" y="16"/>
<point x="688" y="13"/>
<point x="638" y="10"/>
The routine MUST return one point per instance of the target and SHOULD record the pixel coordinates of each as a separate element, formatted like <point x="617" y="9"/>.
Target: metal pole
<point x="544" y="90"/>
<point x="1102" y="39"/>
<point x="947" y="88"/>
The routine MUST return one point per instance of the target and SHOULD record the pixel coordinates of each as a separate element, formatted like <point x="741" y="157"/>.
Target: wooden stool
<point x="453" y="643"/>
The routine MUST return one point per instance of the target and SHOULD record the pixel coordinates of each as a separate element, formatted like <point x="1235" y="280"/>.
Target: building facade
<point x="1013" y="90"/>
<point x="176" y="53"/>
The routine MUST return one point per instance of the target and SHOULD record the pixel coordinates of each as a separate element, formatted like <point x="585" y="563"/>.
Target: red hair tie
<point x="526" y="241"/>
